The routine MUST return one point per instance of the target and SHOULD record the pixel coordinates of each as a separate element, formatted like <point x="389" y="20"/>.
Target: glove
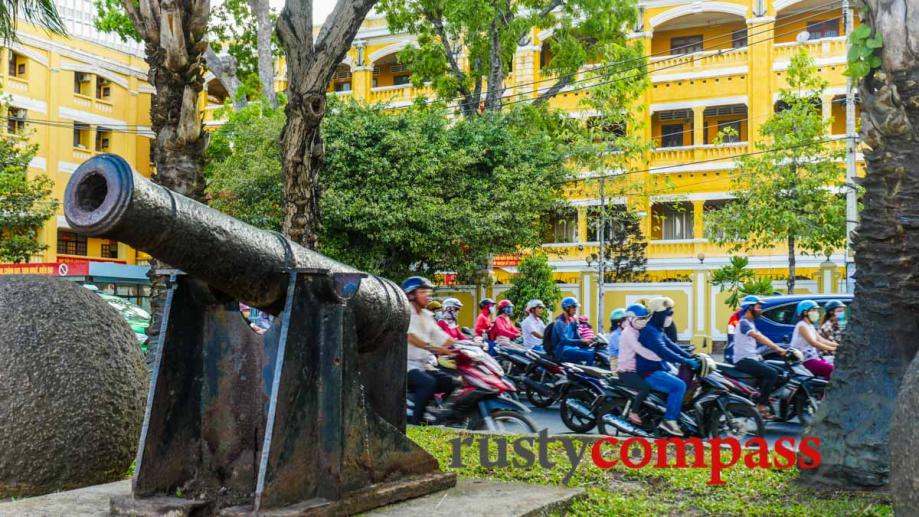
<point x="693" y="363"/>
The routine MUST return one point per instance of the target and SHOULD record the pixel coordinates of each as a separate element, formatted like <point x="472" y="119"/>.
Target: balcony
<point x="15" y="84"/>
<point x="663" y="66"/>
<point x="821" y="49"/>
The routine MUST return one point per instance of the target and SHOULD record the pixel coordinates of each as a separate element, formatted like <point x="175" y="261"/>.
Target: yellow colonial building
<point x="713" y="65"/>
<point x="76" y="96"/>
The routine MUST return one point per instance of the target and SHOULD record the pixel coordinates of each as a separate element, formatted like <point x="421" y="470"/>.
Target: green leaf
<point x="876" y="41"/>
<point x="861" y="32"/>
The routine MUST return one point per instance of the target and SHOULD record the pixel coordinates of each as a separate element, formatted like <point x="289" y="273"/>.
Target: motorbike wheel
<point x="572" y="420"/>
<point x="804" y="407"/>
<point x="739" y="421"/>
<point x="533" y="396"/>
<point x="507" y="422"/>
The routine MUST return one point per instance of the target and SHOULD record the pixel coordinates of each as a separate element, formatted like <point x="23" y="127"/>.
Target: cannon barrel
<point x="105" y="198"/>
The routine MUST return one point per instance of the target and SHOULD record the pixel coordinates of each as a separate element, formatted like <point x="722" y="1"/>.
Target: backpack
<point x="547" y="344"/>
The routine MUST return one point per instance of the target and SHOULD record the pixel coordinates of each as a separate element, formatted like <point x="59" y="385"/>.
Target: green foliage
<point x="416" y="191"/>
<point x="111" y="18"/>
<point x="533" y="281"/>
<point x="243" y="168"/>
<point x="624" y="249"/>
<point x="25" y="204"/>
<point x="584" y="32"/>
<point x="625" y="492"/>
<point x="792" y="189"/>
<point x="735" y="278"/>
<point x="864" y="52"/>
<point x="42" y="13"/>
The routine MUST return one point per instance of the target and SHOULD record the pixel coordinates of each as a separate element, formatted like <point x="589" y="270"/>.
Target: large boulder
<point x="72" y="387"/>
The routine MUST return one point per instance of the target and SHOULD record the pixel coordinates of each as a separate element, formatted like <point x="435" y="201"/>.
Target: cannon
<point x="308" y="419"/>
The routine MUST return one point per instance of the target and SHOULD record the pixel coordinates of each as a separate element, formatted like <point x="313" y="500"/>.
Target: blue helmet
<point x="749" y="301"/>
<point x="636" y="310"/>
<point x="805" y="306"/>
<point x="570" y="301"/>
<point x="833" y="305"/>
<point x="416" y="282"/>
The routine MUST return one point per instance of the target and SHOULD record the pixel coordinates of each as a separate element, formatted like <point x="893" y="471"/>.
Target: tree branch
<point x="554" y="89"/>
<point x="455" y="69"/>
<point x="336" y="35"/>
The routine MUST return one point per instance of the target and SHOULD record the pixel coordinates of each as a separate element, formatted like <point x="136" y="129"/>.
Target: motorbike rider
<point x="484" y="320"/>
<point x="616" y="320"/>
<point x="437" y="309"/>
<point x="636" y="318"/>
<point x="449" y="323"/>
<point x="806" y="339"/>
<point x="654" y="367"/>
<point x="503" y="327"/>
<point x="566" y="345"/>
<point x="425" y="338"/>
<point x="834" y="320"/>
<point x="746" y="358"/>
<point x="533" y="326"/>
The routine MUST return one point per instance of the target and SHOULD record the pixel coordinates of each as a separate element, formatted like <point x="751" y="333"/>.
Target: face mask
<point x="814" y="316"/>
<point x="438" y="315"/>
<point x="639" y="324"/>
<point x="841" y="318"/>
<point x="668" y="321"/>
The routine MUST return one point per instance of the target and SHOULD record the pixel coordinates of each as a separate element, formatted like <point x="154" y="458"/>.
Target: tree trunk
<point x="174" y="38"/>
<point x="495" y="71"/>
<point x="791" y="264"/>
<point x="854" y="421"/>
<point x="310" y="65"/>
<point x="224" y="69"/>
<point x="263" y="32"/>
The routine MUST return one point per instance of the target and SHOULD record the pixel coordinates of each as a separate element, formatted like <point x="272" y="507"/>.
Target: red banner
<point x="506" y="260"/>
<point x="46" y="268"/>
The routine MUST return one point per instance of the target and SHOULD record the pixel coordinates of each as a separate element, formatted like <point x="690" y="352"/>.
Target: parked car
<point x="778" y="319"/>
<point x="137" y="318"/>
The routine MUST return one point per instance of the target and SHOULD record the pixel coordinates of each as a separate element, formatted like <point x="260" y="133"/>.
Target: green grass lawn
<point x="657" y="492"/>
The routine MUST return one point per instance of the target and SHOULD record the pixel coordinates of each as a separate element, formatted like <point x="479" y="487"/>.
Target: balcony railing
<point x="699" y="61"/>
<point x="820" y="48"/>
<point x="696" y="153"/>
<point x="396" y="92"/>
<point x="16" y="84"/>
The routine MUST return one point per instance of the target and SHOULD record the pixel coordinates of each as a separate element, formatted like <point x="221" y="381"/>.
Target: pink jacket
<point x="503" y="326"/>
<point x="629" y="346"/>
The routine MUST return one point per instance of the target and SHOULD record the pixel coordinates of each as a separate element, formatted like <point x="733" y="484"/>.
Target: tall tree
<point x="624" y="246"/>
<point x="42" y="13"/>
<point x="534" y="281"/>
<point x="791" y="189"/>
<point x="25" y="203"/>
<point x="485" y="35"/>
<point x="880" y="340"/>
<point x="311" y="63"/>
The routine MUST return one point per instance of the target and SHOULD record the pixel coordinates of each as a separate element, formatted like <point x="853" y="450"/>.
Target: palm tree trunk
<point x="880" y="341"/>
<point x="791" y="264"/>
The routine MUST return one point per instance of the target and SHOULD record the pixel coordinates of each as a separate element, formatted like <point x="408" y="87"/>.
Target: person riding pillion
<point x="566" y="345"/>
<point x="449" y="322"/>
<point x="746" y="358"/>
<point x="503" y="327"/>
<point x="616" y="321"/>
<point x="806" y="339"/>
<point x="484" y="320"/>
<point x="532" y="327"/>
<point x="425" y="339"/>
<point x="654" y="367"/>
<point x="637" y="317"/>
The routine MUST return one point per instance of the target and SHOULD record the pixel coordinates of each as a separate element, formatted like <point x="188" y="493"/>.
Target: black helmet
<point x="486" y="302"/>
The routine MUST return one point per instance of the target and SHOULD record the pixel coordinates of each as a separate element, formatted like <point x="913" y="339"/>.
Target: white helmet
<point x="532" y="304"/>
<point x="451" y="303"/>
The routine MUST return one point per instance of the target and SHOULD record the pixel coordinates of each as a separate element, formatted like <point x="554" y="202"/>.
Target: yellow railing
<point x="699" y="61"/>
<point x="19" y="85"/>
<point x="821" y="48"/>
<point x="396" y="93"/>
<point x="673" y="155"/>
<point x="715" y="152"/>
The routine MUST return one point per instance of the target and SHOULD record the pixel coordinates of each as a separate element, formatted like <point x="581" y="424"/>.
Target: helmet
<point x="660" y="304"/>
<point x="793" y="355"/>
<point x="416" y="282"/>
<point x="833" y="304"/>
<point x="617" y="314"/>
<point x="570" y="301"/>
<point x="434" y="306"/>
<point x="805" y="306"/>
<point x="637" y="310"/>
<point x="505" y="304"/>
<point x="532" y="304"/>
<point x="486" y="302"/>
<point x="749" y="301"/>
<point x="452" y="303"/>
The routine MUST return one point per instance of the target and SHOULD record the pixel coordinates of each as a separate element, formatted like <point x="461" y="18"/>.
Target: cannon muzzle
<point x="105" y="198"/>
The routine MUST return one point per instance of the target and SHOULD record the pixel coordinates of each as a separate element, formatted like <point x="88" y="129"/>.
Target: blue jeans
<point x="673" y="387"/>
<point x="575" y="354"/>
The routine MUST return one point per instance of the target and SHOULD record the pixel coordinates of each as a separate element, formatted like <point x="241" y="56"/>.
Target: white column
<point x="699" y="305"/>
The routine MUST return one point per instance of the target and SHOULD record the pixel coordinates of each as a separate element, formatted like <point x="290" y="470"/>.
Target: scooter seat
<point x="734" y="373"/>
<point x="593" y="371"/>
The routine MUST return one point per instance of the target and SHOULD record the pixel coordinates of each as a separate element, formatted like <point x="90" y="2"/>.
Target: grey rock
<point x="72" y="388"/>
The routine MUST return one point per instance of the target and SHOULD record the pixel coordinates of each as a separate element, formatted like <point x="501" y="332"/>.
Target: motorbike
<point x="545" y="378"/>
<point x="796" y="395"/>
<point x="482" y="402"/>
<point x="514" y="360"/>
<point x="710" y="408"/>
<point x="583" y="394"/>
